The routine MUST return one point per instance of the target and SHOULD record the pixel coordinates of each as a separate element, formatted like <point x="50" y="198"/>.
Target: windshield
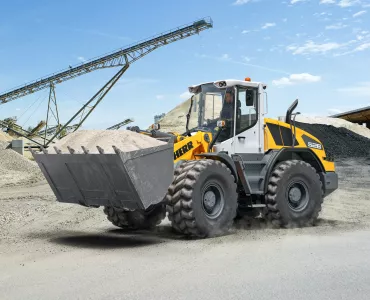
<point x="206" y="108"/>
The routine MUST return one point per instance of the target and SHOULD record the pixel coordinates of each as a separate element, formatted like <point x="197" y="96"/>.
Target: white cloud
<point x="159" y="97"/>
<point x="241" y="2"/>
<point x="185" y="95"/>
<point x="359" y="48"/>
<point x="296" y="1"/>
<point x="243" y="62"/>
<point x="225" y="57"/>
<point x="296" y="79"/>
<point x="362" y="47"/>
<point x="327" y="1"/>
<point x="312" y="47"/>
<point x="322" y="14"/>
<point x="81" y="58"/>
<point x="245" y="31"/>
<point x="334" y="111"/>
<point x="285" y="20"/>
<point x="267" y="25"/>
<point x="360" y="89"/>
<point x="347" y="3"/>
<point x="359" y="13"/>
<point x="336" y="26"/>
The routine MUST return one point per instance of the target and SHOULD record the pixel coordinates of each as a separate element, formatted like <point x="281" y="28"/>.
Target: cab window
<point x="247" y="108"/>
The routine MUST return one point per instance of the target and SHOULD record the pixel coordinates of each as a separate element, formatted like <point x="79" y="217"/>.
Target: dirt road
<point x="56" y="251"/>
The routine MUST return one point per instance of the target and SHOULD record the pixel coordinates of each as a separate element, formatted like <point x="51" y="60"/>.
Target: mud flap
<point x="131" y="180"/>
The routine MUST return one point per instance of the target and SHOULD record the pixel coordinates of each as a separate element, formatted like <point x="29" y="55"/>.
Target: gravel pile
<point x="339" y="142"/>
<point x="16" y="170"/>
<point x="125" y="140"/>
<point x="336" y="122"/>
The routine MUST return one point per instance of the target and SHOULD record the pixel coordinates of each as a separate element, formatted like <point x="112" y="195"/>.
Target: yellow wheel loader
<point x="230" y="161"/>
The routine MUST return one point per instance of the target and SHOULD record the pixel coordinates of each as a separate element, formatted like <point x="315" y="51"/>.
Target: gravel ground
<point x="31" y="211"/>
<point x="50" y="250"/>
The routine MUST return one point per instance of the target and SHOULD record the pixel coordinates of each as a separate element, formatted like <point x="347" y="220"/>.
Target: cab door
<point x="248" y="135"/>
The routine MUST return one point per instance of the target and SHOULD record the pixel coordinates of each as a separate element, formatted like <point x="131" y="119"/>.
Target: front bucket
<point x="132" y="180"/>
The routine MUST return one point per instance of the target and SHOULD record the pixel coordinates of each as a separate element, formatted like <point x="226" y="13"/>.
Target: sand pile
<point x="4" y="136"/>
<point x="175" y="120"/>
<point x="339" y="142"/>
<point x="336" y="122"/>
<point x="125" y="140"/>
<point x="16" y="170"/>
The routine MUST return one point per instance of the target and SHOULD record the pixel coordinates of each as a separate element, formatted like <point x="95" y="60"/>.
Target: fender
<point x="283" y="154"/>
<point x="223" y="157"/>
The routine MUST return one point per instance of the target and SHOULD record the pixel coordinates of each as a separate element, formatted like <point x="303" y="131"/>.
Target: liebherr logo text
<point x="180" y="152"/>
<point x="314" y="145"/>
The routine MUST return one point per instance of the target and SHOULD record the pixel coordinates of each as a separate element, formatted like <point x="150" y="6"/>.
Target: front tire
<point x="294" y="196"/>
<point x="137" y="219"/>
<point x="202" y="200"/>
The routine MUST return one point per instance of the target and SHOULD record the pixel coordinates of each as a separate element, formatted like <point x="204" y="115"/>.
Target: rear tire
<point x="202" y="200"/>
<point x="136" y="220"/>
<point x="294" y="196"/>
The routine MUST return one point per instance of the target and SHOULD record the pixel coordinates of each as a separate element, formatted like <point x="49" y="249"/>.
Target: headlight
<point x="220" y="84"/>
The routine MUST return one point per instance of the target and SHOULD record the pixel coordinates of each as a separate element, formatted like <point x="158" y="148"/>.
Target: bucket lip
<point x="117" y="151"/>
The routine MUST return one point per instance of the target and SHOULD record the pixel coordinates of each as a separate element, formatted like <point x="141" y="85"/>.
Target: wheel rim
<point x="298" y="195"/>
<point x="212" y="200"/>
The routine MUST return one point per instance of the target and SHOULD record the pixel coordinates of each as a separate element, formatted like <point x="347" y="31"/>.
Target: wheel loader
<point x="231" y="161"/>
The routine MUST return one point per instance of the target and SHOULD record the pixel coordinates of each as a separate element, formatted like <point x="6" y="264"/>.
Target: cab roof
<point x="222" y="84"/>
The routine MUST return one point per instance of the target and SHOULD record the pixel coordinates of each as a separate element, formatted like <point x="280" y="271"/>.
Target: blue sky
<point x="314" y="50"/>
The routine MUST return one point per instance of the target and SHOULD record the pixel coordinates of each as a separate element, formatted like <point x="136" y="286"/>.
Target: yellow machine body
<point x="187" y="147"/>
<point x="273" y="143"/>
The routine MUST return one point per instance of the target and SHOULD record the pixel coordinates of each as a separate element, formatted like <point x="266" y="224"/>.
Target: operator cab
<point x="239" y="105"/>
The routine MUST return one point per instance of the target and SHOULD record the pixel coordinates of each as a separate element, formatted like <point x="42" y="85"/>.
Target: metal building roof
<point x="361" y="115"/>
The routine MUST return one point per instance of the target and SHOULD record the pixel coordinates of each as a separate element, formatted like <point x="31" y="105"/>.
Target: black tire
<point x="137" y="219"/>
<point x="196" y="185"/>
<point x="300" y="208"/>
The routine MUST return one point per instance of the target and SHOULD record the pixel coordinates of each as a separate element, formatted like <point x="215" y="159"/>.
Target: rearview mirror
<point x="249" y="100"/>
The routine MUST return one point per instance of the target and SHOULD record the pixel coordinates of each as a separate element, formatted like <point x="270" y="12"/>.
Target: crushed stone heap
<point x="125" y="140"/>
<point x="336" y="122"/>
<point x="16" y="170"/>
<point x="339" y="142"/>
